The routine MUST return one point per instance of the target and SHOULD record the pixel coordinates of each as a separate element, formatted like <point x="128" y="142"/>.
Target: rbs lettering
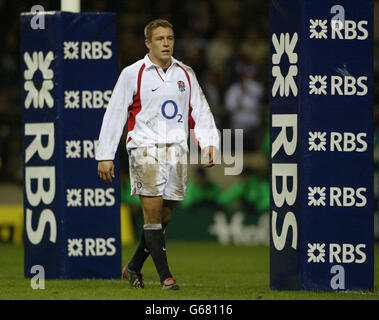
<point x="351" y="30"/>
<point x="284" y="173"/>
<point x="348" y="142"/>
<point x="40" y="182"/>
<point x="348" y="86"/>
<point x="96" y="50"/>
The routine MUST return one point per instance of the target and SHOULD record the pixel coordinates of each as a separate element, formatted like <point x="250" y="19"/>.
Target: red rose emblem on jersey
<point x="181" y="86"/>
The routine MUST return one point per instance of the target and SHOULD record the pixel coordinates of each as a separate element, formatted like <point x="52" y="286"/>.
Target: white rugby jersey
<point x="159" y="107"/>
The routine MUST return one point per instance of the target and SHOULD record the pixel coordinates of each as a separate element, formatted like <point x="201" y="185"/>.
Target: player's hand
<point x="105" y="170"/>
<point x="210" y="154"/>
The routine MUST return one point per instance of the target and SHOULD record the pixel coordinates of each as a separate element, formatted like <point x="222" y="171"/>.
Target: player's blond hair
<point x="155" y="24"/>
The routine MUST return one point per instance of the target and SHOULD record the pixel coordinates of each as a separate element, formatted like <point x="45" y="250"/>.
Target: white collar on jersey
<point x="149" y="64"/>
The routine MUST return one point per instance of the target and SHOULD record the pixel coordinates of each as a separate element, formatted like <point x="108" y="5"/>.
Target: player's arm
<point x="112" y="127"/>
<point x="205" y="128"/>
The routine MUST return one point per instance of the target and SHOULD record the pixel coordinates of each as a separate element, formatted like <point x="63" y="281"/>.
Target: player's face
<point x="161" y="45"/>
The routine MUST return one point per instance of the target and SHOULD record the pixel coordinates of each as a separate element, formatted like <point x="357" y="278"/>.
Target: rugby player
<point x="160" y="99"/>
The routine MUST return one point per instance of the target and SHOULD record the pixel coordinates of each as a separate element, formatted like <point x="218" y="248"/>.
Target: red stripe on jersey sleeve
<point x="191" y="121"/>
<point x="136" y="106"/>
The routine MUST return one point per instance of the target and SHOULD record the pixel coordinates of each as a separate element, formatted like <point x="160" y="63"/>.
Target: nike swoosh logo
<point x="154" y="89"/>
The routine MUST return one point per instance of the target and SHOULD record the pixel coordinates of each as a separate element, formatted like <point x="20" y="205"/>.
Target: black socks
<point x="155" y="242"/>
<point x="140" y="256"/>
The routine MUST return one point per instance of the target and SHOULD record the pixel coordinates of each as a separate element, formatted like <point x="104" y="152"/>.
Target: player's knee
<point x="151" y="219"/>
<point x="152" y="215"/>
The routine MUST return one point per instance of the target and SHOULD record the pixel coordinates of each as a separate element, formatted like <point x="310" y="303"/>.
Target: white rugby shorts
<point x="158" y="171"/>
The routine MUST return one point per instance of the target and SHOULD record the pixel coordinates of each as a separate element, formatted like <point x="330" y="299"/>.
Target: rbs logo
<point x="338" y="86"/>
<point x="338" y="197"/>
<point x="91" y="50"/>
<point x="338" y="253"/>
<point x="97" y="247"/>
<point x="96" y="99"/>
<point x="338" y="141"/>
<point x="89" y="197"/>
<point x="338" y="29"/>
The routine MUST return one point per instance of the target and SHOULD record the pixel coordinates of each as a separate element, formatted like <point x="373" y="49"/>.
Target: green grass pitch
<point x="204" y="271"/>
